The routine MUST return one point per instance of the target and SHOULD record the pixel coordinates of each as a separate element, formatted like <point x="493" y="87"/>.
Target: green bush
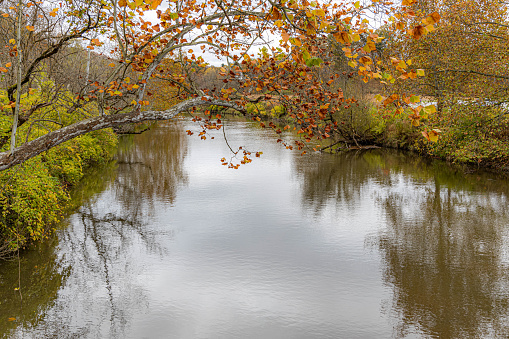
<point x="34" y="195"/>
<point x="470" y="133"/>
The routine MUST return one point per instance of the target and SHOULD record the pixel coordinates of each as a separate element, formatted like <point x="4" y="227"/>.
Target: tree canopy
<point x="96" y="61"/>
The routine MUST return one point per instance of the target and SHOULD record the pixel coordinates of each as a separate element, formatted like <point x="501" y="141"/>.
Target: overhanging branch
<point x="35" y="147"/>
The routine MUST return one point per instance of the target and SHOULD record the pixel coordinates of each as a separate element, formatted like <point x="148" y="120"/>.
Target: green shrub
<point x="34" y="195"/>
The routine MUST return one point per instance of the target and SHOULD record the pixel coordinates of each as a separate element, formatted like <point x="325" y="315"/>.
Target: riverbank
<point x="35" y="195"/>
<point x="471" y="134"/>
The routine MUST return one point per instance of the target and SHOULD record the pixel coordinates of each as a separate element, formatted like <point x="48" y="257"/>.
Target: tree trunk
<point x="52" y="139"/>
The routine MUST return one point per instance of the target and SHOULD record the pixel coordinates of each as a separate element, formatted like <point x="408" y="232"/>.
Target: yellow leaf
<point x="296" y="42"/>
<point x="433" y="135"/>
<point x="8" y="64"/>
<point x="11" y="319"/>
<point x="414" y="99"/>
<point x="430" y="109"/>
<point x="431" y="19"/>
<point x="12" y="41"/>
<point x="366" y="60"/>
<point x="318" y="12"/>
<point x="30" y="28"/>
<point x="127" y="80"/>
<point x="111" y="64"/>
<point x="278" y="23"/>
<point x="420" y="72"/>
<point x="358" y="5"/>
<point x="430" y="28"/>
<point x="5" y="15"/>
<point x="2" y="69"/>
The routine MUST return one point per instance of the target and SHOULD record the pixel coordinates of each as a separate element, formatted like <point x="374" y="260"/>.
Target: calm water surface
<point x="168" y="243"/>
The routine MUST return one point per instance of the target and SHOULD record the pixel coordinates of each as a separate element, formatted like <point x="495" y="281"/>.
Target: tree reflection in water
<point x="444" y="257"/>
<point x="102" y="241"/>
<point x="444" y="244"/>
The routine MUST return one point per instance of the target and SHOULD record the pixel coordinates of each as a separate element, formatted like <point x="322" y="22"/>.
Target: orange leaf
<point x="417" y="32"/>
<point x="30" y="28"/>
<point x="155" y="4"/>
<point x="431" y="19"/>
<point x="285" y="36"/>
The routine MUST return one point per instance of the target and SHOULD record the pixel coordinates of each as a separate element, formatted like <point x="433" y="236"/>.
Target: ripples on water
<point x="168" y="243"/>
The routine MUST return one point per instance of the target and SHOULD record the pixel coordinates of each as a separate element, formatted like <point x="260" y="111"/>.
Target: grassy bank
<point x="34" y="195"/>
<point x="470" y="133"/>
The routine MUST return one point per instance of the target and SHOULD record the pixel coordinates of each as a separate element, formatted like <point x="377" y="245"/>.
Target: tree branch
<point x="52" y="139"/>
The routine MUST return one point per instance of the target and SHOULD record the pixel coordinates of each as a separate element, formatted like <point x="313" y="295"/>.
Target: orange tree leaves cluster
<point x="295" y="69"/>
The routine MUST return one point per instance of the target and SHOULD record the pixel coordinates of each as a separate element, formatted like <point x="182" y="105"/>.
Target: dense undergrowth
<point x="35" y="195"/>
<point x="470" y="133"/>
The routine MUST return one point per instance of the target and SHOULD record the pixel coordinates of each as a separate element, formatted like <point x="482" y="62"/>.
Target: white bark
<point x="18" y="83"/>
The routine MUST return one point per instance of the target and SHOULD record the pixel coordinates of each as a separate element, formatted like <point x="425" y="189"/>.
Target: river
<point x="168" y="243"/>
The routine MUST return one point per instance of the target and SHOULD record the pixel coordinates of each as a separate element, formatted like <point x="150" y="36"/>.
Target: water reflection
<point x="444" y="252"/>
<point x="151" y="165"/>
<point x="444" y="246"/>
<point x="102" y="240"/>
<point x="41" y="278"/>
<point x="41" y="270"/>
<point x="382" y="244"/>
<point x="94" y="252"/>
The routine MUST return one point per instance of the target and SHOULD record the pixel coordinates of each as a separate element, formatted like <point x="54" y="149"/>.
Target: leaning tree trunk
<point x="35" y="147"/>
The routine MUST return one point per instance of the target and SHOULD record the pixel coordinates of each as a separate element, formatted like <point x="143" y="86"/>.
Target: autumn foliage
<point x="269" y="48"/>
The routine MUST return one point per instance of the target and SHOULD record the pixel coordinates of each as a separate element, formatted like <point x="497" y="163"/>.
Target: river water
<point x="168" y="243"/>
